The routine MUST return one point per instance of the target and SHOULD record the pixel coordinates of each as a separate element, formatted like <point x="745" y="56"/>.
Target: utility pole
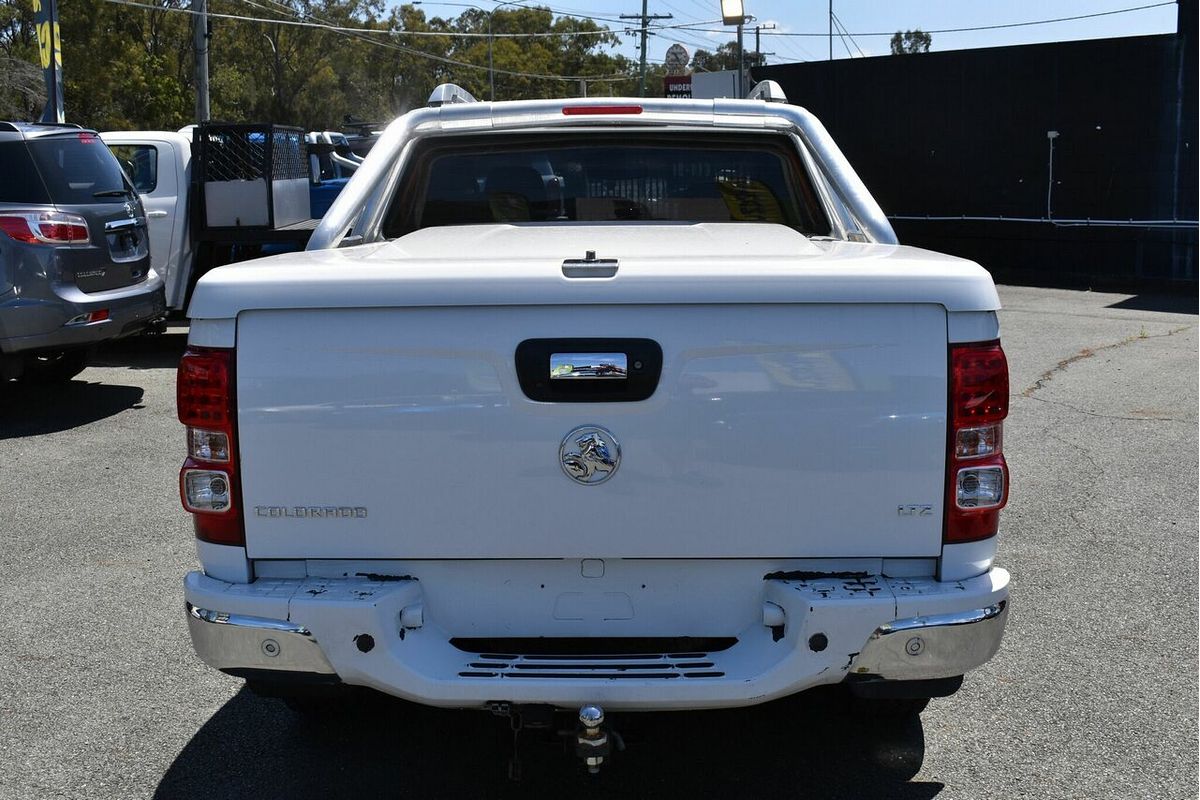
<point x="758" y="53"/>
<point x="831" y="30"/>
<point x="644" y="19"/>
<point x="741" y="76"/>
<point x="200" y="39"/>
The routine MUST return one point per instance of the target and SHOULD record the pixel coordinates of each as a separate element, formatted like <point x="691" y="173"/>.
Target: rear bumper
<point x="386" y="634"/>
<point x="30" y="324"/>
<point x="244" y="642"/>
<point x="934" y="646"/>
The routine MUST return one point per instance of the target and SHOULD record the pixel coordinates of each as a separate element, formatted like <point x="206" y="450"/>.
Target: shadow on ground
<point x="148" y="351"/>
<point x="28" y="409"/>
<point x="256" y="748"/>
<point x="1167" y="303"/>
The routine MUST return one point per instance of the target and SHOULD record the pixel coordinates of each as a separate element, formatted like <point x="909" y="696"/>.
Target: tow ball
<point x="592" y="738"/>
<point x="594" y="741"/>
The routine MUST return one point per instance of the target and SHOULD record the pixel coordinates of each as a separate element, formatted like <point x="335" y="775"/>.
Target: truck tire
<point x="890" y="707"/>
<point x="313" y="701"/>
<point x="316" y="707"/>
<point x="59" y="367"/>
<point x="894" y="699"/>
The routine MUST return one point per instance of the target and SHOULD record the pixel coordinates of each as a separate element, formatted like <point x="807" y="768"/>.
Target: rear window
<point x="602" y="177"/>
<point x="20" y="182"/>
<point x="78" y="169"/>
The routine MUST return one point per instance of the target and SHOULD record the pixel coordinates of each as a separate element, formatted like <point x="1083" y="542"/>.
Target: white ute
<point x="598" y="405"/>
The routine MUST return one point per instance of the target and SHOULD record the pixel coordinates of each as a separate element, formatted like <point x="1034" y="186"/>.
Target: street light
<point x="733" y="12"/>
<point x="491" y="38"/>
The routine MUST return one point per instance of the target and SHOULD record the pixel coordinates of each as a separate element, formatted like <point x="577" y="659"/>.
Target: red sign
<point x="677" y="86"/>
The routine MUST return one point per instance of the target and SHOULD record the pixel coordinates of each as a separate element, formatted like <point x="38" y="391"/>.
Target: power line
<point x="797" y="50"/>
<point x="645" y="20"/>
<point x="353" y="29"/>
<point x="697" y="43"/>
<point x="392" y="45"/>
<point x="693" y="40"/>
<point x="491" y="69"/>
<point x="838" y="21"/>
<point x="837" y="28"/>
<point x="758" y="53"/>
<point x="387" y="32"/>
<point x="971" y="29"/>
<point x="562" y="12"/>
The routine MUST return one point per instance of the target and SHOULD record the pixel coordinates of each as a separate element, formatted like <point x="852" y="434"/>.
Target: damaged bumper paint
<point x="405" y="634"/>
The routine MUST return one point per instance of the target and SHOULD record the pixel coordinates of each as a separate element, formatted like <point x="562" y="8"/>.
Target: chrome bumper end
<point x="243" y="642"/>
<point x="934" y="646"/>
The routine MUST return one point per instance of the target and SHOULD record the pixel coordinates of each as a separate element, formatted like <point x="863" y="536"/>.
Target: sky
<point x="866" y="16"/>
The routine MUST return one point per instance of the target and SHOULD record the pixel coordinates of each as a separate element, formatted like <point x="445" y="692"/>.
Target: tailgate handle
<point x="589" y="266"/>
<point x="588" y="370"/>
<point x="588" y="366"/>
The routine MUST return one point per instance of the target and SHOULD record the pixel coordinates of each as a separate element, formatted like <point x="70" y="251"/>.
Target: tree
<point x="22" y="90"/>
<point x="565" y="53"/>
<point x="725" y="57"/>
<point x="911" y="42"/>
<point x="130" y="68"/>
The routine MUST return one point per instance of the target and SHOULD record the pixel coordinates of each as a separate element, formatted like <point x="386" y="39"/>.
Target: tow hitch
<point x="591" y="738"/>
<point x="594" y="741"/>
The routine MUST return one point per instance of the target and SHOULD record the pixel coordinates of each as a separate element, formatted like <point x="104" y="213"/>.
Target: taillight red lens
<point x="45" y="227"/>
<point x="204" y="388"/>
<point x="208" y="482"/>
<point x="976" y="472"/>
<point x="64" y="232"/>
<point x="979" y="381"/>
<point x="571" y="111"/>
<point x="17" y="228"/>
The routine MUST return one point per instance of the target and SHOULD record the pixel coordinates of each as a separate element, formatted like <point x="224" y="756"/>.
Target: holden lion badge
<point x="589" y="455"/>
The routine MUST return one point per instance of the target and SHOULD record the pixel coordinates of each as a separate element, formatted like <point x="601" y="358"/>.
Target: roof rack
<point x="769" y="91"/>
<point x="449" y="93"/>
<point x="11" y="127"/>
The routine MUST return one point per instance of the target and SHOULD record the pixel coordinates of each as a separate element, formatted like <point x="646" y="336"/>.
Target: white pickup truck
<point x="598" y="405"/>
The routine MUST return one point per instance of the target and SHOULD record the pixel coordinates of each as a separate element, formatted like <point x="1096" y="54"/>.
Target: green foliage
<point x="22" y="90"/>
<point x="724" y="58"/>
<point x="130" y="68"/>
<point x="911" y="42"/>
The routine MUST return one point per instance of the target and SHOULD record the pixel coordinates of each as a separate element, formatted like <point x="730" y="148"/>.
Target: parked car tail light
<point x="45" y="227"/>
<point x="91" y="317"/>
<point x="976" y="473"/>
<point x="208" y="480"/>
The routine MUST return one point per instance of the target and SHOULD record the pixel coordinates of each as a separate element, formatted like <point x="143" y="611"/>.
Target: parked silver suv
<point x="74" y="256"/>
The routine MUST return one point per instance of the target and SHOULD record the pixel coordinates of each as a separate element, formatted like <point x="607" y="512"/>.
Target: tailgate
<point x="789" y="430"/>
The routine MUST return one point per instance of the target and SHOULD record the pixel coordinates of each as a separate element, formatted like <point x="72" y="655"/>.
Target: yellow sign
<point x="749" y="200"/>
<point x="44" y="43"/>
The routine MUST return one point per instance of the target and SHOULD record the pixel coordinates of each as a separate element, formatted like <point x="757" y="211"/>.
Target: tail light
<point x="45" y="227"/>
<point x="571" y="111"/>
<point x="976" y="473"/>
<point x="208" y="481"/>
<point x="89" y="318"/>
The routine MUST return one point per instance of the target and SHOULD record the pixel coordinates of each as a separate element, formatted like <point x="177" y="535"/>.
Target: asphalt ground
<point x="1093" y="695"/>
